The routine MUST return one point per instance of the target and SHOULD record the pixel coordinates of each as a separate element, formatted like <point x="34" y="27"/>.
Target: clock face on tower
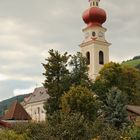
<point x="100" y="34"/>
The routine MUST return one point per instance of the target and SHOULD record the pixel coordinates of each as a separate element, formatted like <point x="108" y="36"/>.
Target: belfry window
<point x="88" y="58"/>
<point x="96" y="3"/>
<point x="93" y="3"/>
<point x="93" y="34"/>
<point x="101" y="58"/>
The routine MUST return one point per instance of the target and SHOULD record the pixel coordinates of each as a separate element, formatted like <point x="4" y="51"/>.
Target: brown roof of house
<point x="5" y="124"/>
<point x="134" y="109"/>
<point x="16" y="112"/>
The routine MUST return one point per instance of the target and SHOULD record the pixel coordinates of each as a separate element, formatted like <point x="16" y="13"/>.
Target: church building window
<point x="93" y="34"/>
<point x="101" y="58"/>
<point x="88" y="58"/>
<point x="96" y="3"/>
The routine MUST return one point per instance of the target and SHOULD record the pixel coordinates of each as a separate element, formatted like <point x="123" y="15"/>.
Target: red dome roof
<point x="94" y="16"/>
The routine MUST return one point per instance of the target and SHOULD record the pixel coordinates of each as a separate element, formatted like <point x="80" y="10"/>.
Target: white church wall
<point x="36" y="111"/>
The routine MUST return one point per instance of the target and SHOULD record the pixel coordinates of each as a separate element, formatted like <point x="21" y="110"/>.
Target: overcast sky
<point x="29" y="28"/>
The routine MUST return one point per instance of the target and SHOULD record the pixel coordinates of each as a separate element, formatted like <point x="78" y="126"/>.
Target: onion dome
<point x="94" y="16"/>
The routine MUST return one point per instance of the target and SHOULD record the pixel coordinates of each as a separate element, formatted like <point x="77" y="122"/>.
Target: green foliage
<point x="130" y="84"/>
<point x="12" y="135"/>
<point x="35" y="131"/>
<point x="115" y="75"/>
<point x="72" y="108"/>
<point x="136" y="57"/>
<point x="138" y="66"/>
<point x="59" y="79"/>
<point x="132" y="63"/>
<point x="71" y="127"/>
<point x="76" y="121"/>
<point x="56" y="81"/>
<point x="108" y="132"/>
<point x="79" y="73"/>
<point x="135" y="62"/>
<point x="134" y="133"/>
<point x="115" y="109"/>
<point x="80" y="99"/>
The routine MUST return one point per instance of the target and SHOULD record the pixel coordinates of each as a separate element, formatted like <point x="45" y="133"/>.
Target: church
<point x="95" y="47"/>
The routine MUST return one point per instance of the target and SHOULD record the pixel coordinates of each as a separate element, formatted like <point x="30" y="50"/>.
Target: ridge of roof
<point x="39" y="94"/>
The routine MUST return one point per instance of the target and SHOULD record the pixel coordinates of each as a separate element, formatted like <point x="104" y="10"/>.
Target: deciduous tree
<point x="82" y="100"/>
<point x="56" y="79"/>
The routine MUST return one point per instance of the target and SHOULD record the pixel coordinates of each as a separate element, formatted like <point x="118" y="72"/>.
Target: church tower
<point x="95" y="47"/>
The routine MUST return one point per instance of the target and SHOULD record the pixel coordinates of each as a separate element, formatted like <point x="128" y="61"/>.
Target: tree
<point x="57" y="79"/>
<point x="108" y="132"/>
<point x="136" y="57"/>
<point x="130" y="83"/>
<point x="115" y="75"/>
<point x="12" y="135"/>
<point x="72" y="126"/>
<point x="80" y="100"/>
<point x="115" y="109"/>
<point x="134" y="133"/>
<point x="79" y="73"/>
<point x="138" y="66"/>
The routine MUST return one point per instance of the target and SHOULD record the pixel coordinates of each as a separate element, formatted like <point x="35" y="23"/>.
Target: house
<point x="134" y="113"/>
<point x="4" y="124"/>
<point x="34" y="104"/>
<point x="16" y="113"/>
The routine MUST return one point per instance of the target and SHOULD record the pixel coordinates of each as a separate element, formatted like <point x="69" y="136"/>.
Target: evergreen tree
<point x="115" y="108"/>
<point x="57" y="79"/>
<point x="138" y="66"/>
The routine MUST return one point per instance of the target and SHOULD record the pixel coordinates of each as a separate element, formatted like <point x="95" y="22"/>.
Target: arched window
<point x="93" y="3"/>
<point x="88" y="58"/>
<point x="93" y="34"/>
<point x="101" y="58"/>
<point x="96" y="3"/>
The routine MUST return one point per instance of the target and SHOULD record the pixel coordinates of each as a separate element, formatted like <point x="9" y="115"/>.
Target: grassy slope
<point x="132" y="63"/>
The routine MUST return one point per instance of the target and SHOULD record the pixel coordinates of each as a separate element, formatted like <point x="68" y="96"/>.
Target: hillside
<point x="6" y="103"/>
<point x="135" y="62"/>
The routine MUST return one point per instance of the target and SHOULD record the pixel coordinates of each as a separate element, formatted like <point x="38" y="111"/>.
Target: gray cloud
<point x="29" y="28"/>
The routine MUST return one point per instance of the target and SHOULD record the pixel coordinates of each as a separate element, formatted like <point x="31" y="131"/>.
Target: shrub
<point x="12" y="135"/>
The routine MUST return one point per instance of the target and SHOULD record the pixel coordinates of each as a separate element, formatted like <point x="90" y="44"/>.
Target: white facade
<point x="95" y="47"/>
<point x="36" y="111"/>
<point x="34" y="104"/>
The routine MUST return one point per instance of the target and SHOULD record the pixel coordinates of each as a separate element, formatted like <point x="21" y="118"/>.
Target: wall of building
<point x="36" y="111"/>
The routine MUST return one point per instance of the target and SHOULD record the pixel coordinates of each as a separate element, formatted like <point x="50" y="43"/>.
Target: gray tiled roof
<point x="39" y="94"/>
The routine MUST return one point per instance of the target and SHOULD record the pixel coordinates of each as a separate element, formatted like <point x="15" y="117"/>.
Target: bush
<point x="134" y="133"/>
<point x="35" y="131"/>
<point x="12" y="135"/>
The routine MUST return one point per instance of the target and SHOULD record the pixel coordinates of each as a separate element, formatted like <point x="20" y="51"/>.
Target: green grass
<point x="132" y="63"/>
